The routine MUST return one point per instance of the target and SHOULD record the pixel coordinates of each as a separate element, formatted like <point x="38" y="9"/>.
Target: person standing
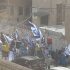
<point x="12" y="53"/>
<point x="49" y="61"/>
<point x="46" y="53"/>
<point x="49" y="42"/>
<point x="37" y="49"/>
<point x="1" y="48"/>
<point x="48" y="58"/>
<point x="5" y="50"/>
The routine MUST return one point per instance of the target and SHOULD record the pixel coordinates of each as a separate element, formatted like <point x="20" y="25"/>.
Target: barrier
<point x="6" y="65"/>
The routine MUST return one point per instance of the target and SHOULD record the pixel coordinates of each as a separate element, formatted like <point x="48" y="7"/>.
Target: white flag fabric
<point x="11" y="56"/>
<point x="7" y="38"/>
<point x="67" y="50"/>
<point x="16" y="34"/>
<point x="32" y="25"/>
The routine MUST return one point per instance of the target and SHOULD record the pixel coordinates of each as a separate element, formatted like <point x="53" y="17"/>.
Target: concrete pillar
<point x="67" y="20"/>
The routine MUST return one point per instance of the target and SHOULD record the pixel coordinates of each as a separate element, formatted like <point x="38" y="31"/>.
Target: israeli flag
<point x="32" y="25"/>
<point x="16" y="34"/>
<point x="7" y="39"/>
<point x="67" y="50"/>
<point x="36" y="32"/>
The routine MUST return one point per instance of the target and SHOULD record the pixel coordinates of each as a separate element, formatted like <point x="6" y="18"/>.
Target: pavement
<point x="60" y="68"/>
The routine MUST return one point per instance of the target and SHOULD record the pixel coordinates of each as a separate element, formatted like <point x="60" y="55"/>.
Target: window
<point x="60" y="14"/>
<point x="2" y="7"/>
<point x="44" y="20"/>
<point x="12" y="10"/>
<point x="20" y="10"/>
<point x="27" y="11"/>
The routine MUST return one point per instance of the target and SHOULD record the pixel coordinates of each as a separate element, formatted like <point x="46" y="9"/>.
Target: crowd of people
<point x="41" y="48"/>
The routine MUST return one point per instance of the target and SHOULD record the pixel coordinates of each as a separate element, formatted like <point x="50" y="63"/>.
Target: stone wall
<point x="5" y="65"/>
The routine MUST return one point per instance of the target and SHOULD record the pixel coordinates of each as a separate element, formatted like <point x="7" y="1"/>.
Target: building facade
<point x="13" y="13"/>
<point x="52" y="12"/>
<point x="48" y="12"/>
<point x="67" y="21"/>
